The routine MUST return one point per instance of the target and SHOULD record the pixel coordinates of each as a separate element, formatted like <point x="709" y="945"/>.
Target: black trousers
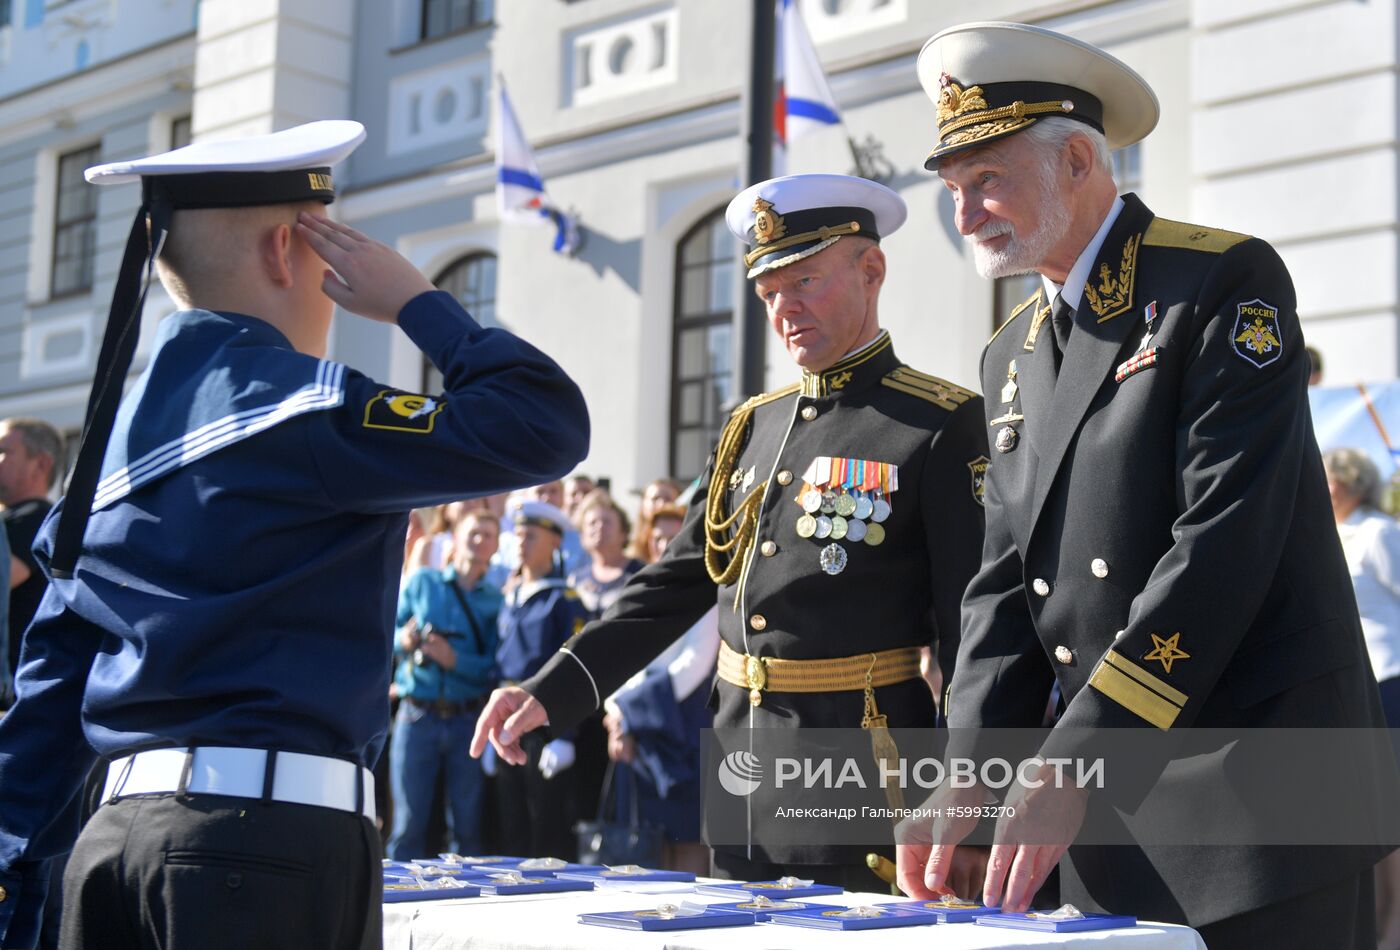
<point x="536" y="814"/>
<point x="208" y="872"/>
<point x="1339" y="917"/>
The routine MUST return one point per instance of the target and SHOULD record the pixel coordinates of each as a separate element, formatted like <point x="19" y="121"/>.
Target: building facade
<point x="1278" y="119"/>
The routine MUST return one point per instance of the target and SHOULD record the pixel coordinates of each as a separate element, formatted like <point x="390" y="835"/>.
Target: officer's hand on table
<point x="438" y="650"/>
<point x="929" y="856"/>
<point x="1030" y="840"/>
<point x="509" y="714"/>
<point x="370" y="278"/>
<point x="556" y="757"/>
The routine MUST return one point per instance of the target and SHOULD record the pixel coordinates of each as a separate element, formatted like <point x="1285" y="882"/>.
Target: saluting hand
<point x="509" y="714"/>
<point x="369" y="278"/>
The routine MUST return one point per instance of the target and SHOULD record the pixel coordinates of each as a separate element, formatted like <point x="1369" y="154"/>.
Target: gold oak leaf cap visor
<point x="286" y="167"/>
<point x="784" y="220"/>
<point x="990" y="80"/>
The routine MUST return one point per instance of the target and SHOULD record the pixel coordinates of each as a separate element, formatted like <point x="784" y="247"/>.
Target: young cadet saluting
<point x="838" y="522"/>
<point x="224" y="635"/>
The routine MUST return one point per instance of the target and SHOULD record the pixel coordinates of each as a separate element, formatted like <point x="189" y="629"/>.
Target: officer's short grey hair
<point x="1356" y="473"/>
<point x="1050" y="134"/>
<point x="39" y="438"/>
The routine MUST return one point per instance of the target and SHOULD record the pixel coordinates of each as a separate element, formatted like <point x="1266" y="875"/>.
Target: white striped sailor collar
<point x="525" y="591"/>
<point x="859" y="368"/>
<point x="173" y="417"/>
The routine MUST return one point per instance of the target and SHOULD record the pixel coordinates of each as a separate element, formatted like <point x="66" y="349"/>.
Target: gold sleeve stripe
<point x="1145" y="678"/>
<point x="1133" y="696"/>
<point x="1166" y="233"/>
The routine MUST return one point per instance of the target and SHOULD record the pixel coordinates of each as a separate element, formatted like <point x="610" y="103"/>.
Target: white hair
<point x="1050" y="135"/>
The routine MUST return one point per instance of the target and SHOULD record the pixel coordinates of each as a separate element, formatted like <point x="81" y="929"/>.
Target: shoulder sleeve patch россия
<point x="400" y="411"/>
<point x="1257" y="337"/>
<point x="978" y="470"/>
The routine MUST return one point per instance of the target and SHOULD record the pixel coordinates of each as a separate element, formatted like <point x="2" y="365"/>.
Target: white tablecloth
<point x="550" y="921"/>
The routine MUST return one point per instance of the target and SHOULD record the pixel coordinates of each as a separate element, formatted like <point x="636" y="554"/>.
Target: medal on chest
<point x="844" y="499"/>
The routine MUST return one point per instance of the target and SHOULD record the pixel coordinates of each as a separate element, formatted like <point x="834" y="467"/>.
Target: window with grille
<point x="702" y="377"/>
<point x="472" y="280"/>
<point x="75" y="225"/>
<point x="441" y="17"/>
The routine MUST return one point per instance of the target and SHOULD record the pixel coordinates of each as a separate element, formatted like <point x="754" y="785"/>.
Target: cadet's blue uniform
<point x="536" y="813"/>
<point x="241" y="566"/>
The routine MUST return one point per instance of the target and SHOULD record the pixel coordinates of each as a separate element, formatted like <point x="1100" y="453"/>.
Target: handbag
<point x="610" y="842"/>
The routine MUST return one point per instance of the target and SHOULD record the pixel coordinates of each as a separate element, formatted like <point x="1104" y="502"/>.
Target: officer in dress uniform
<point x="221" y="631"/>
<point x="1159" y="538"/>
<point x="837" y="523"/>
<point x="541" y="612"/>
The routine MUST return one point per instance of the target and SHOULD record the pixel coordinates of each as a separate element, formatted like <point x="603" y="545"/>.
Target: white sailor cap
<point x="288" y="166"/>
<point x="991" y="80"/>
<point x="541" y="514"/>
<point x="285" y="167"/>
<point x="784" y="220"/>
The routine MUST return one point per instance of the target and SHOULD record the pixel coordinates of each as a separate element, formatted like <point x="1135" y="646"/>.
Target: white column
<point x="1294" y="141"/>
<point x="266" y="65"/>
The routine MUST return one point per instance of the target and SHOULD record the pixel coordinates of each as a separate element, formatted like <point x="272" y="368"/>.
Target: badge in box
<point x="1051" y="923"/>
<point x="951" y="911"/>
<point x="669" y="917"/>
<point x="782" y="888"/>
<point x="870" y="917"/>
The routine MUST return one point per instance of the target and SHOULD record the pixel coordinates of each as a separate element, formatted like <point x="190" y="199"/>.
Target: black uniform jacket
<point x="1160" y="542"/>
<point x="903" y="592"/>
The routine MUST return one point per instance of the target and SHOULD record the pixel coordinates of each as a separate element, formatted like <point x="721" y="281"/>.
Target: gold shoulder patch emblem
<point x="978" y="469"/>
<point x="399" y="411"/>
<point x="1257" y="336"/>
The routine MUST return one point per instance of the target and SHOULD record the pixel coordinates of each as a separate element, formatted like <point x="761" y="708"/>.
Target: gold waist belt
<point x="772" y="675"/>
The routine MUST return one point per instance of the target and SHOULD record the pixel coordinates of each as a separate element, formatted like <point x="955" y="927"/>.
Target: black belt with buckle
<point x="445" y="709"/>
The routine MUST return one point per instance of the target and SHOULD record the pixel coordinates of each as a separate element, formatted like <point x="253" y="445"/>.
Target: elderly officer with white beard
<point x="1153" y="447"/>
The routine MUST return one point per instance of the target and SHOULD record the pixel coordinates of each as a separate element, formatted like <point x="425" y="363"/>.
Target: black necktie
<point x="1062" y="321"/>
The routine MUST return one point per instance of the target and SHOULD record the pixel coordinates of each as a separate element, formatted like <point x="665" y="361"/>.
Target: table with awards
<point x="517" y="904"/>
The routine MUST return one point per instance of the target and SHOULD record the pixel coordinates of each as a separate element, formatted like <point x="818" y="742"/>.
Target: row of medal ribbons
<point x="845" y="499"/>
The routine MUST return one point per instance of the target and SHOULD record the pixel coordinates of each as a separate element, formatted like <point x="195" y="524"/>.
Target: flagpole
<point x="750" y="320"/>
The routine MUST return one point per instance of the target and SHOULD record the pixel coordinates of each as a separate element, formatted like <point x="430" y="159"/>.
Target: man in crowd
<point x="446" y="667"/>
<point x="221" y="630"/>
<point x="31" y="461"/>
<point x="1159" y="537"/>
<point x="839" y="521"/>
<point x="539" y="614"/>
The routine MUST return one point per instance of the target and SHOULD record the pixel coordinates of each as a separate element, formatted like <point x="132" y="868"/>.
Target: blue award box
<point x="538" y="867"/>
<point x="781" y="889"/>
<point x="626" y="872"/>
<point x="669" y="917"/>
<point x="760" y="908"/>
<point x="406" y="889"/>
<point x="1050" y="923"/>
<point x="876" y="917"/>
<point x="951" y="911"/>
<point x="514" y="882"/>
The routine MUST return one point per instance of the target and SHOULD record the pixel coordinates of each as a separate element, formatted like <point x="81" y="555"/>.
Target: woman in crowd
<point x="603" y="528"/>
<point x="662" y="491"/>
<point x="1371" y="542"/>
<point x="653" y="723"/>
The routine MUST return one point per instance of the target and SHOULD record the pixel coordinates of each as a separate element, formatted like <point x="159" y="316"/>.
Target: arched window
<point x="702" y="379"/>
<point x="472" y="280"/>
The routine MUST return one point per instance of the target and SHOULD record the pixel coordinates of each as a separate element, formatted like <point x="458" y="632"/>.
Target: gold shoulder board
<point x="1165" y="233"/>
<point x="940" y="392"/>
<point x="753" y="401"/>
<point x="1017" y="310"/>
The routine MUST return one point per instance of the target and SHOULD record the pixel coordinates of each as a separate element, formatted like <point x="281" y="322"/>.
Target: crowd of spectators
<point x="491" y="588"/>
